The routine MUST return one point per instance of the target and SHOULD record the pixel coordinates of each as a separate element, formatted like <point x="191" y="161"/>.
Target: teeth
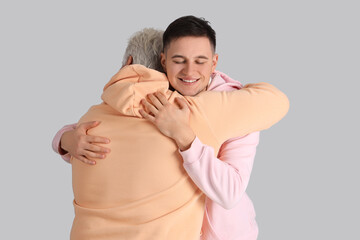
<point x="188" y="81"/>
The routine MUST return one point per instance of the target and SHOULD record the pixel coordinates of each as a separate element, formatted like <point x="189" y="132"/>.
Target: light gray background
<point x="56" y="56"/>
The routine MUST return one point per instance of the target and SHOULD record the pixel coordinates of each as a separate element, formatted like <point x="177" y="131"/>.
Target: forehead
<point x="190" y="46"/>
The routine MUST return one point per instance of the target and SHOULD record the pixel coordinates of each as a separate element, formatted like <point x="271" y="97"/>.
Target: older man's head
<point x="144" y="47"/>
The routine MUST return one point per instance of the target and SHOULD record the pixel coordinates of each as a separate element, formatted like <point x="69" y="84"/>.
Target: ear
<point x="214" y="62"/>
<point x="129" y="61"/>
<point x="163" y="60"/>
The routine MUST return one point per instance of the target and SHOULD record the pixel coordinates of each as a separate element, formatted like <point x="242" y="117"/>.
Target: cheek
<point x="171" y="73"/>
<point x="173" y="69"/>
<point x="206" y="70"/>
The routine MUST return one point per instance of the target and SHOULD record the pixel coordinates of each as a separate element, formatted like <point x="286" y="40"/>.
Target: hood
<point x="222" y="82"/>
<point x="130" y="85"/>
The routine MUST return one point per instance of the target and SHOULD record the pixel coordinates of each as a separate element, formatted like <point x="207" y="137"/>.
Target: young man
<point x="190" y="61"/>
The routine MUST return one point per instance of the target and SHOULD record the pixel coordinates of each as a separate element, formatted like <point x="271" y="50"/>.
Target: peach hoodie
<point x="142" y="191"/>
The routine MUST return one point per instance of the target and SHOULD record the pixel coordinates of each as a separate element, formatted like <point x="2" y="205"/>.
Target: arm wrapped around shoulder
<point x="255" y="107"/>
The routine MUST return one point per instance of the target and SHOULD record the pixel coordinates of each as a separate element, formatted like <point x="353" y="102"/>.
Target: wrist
<point x="62" y="145"/>
<point x="184" y="138"/>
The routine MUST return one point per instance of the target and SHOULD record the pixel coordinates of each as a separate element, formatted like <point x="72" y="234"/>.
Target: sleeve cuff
<point x="56" y="141"/>
<point x="66" y="157"/>
<point x="194" y="153"/>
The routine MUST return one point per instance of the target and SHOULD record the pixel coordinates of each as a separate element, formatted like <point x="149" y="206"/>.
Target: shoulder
<point x="222" y="82"/>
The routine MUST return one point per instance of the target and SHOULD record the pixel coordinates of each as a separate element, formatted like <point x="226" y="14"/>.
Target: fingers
<point x="146" y="115"/>
<point x="85" y="160"/>
<point x="91" y="150"/>
<point x="87" y="151"/>
<point x="84" y="152"/>
<point x="96" y="139"/>
<point x="93" y="155"/>
<point x="158" y="99"/>
<point x="149" y="107"/>
<point x="162" y="98"/>
<point x="155" y="101"/>
<point x="182" y="103"/>
<point x="97" y="149"/>
<point x="88" y="125"/>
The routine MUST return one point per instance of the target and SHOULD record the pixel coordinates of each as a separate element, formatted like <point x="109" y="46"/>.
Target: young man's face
<point x="189" y="62"/>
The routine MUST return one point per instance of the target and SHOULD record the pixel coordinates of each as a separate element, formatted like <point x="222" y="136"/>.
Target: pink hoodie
<point x="229" y="211"/>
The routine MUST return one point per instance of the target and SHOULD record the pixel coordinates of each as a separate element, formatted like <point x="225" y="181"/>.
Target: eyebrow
<point x="180" y="56"/>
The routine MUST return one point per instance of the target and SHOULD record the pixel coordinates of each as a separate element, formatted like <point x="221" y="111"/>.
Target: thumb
<point x="87" y="125"/>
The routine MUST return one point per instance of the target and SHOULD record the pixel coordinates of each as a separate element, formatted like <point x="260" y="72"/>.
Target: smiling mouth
<point x="189" y="80"/>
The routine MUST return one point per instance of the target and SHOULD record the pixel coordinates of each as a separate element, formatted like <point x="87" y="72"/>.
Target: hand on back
<point x="82" y="146"/>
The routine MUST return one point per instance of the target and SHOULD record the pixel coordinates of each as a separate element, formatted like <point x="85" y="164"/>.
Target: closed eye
<point x="177" y="62"/>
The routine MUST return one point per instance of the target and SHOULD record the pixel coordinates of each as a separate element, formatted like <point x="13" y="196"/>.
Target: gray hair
<point x="145" y="47"/>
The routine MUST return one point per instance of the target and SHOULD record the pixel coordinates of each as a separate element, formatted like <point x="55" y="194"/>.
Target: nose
<point x="189" y="69"/>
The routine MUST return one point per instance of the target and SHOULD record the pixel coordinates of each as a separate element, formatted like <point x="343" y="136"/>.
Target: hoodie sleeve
<point x="253" y="108"/>
<point x="56" y="141"/>
<point x="223" y="179"/>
